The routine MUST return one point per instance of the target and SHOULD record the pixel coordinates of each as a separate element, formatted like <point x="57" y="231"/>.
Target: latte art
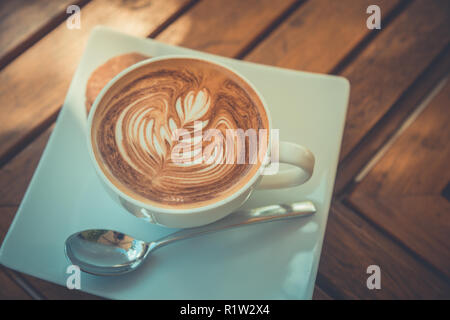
<point x="145" y="134"/>
<point x="149" y="132"/>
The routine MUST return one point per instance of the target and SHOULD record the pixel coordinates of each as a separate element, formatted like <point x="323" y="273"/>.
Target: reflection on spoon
<point x="108" y="252"/>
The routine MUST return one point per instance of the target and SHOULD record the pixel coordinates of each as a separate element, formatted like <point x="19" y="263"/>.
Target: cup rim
<point x="154" y="208"/>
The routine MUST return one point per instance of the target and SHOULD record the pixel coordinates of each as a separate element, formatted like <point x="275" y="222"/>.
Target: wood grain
<point x="402" y="193"/>
<point x="33" y="85"/>
<point x="352" y="244"/>
<point x="386" y="68"/>
<point x="391" y="121"/>
<point x="318" y="35"/>
<point x="23" y="22"/>
<point x="391" y="63"/>
<point x="223" y="27"/>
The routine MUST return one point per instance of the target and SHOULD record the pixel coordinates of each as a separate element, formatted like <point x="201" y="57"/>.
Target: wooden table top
<point x="391" y="206"/>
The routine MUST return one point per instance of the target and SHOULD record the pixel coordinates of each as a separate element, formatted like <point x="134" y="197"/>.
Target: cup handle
<point x="295" y="155"/>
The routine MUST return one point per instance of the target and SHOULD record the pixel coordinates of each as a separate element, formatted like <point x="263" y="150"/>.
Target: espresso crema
<point x="137" y="122"/>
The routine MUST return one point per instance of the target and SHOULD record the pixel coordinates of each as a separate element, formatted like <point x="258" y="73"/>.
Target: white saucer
<point x="272" y="261"/>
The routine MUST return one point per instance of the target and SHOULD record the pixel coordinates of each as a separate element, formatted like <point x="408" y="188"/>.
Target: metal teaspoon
<point x="108" y="252"/>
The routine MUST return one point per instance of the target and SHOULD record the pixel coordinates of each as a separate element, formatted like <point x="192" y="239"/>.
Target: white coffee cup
<point x="298" y="156"/>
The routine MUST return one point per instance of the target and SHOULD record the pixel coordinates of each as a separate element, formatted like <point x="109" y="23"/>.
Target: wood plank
<point x="352" y="244"/>
<point x="36" y="19"/>
<point x="391" y="63"/>
<point x="9" y="290"/>
<point x="402" y="193"/>
<point x="391" y="121"/>
<point x="224" y="27"/>
<point x="32" y="92"/>
<point x="317" y="25"/>
<point x="318" y="35"/>
<point x="299" y="44"/>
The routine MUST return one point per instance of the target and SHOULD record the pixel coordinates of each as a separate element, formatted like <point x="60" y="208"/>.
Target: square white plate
<point x="271" y="261"/>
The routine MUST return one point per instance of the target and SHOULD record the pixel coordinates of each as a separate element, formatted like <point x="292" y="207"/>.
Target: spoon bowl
<point x="105" y="252"/>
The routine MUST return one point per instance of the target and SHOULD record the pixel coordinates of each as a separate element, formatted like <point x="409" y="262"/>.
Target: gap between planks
<point x="269" y="29"/>
<point x="406" y="123"/>
<point x="188" y="6"/>
<point x="353" y="163"/>
<point x="438" y="81"/>
<point x="385" y="21"/>
<point x="395" y="240"/>
<point x="37" y="35"/>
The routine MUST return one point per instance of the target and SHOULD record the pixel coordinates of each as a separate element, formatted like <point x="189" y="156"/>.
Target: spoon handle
<point x="242" y="218"/>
